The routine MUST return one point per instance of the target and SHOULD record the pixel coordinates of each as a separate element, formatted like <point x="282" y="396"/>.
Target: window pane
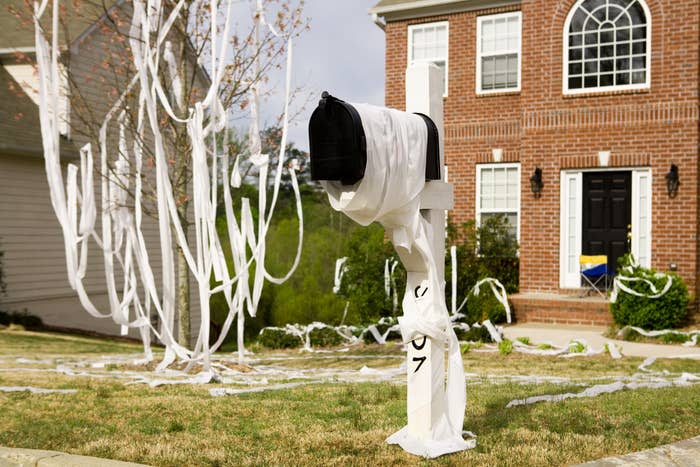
<point x="639" y="33"/>
<point x="607" y="36"/>
<point x="622" y="79"/>
<point x="575" y="68"/>
<point x="501" y="27"/>
<point x="488" y="65"/>
<point x="500" y="80"/>
<point x="639" y="63"/>
<point x="502" y="64"/>
<point x="639" y="47"/>
<point x="575" y="54"/>
<point x="623" y="20"/>
<point x="623" y="49"/>
<point x="639" y="77"/>
<point x="600" y="14"/>
<point x="512" y="64"/>
<point x="488" y="36"/>
<point x="591" y="82"/>
<point x="636" y="12"/>
<point x="622" y="34"/>
<point x="591" y="25"/>
<point x="578" y="20"/>
<point x="607" y="65"/>
<point x="575" y="83"/>
<point x="623" y="64"/>
<point x="513" y="80"/>
<point x="606" y="80"/>
<point x="607" y="51"/>
<point x="575" y="39"/>
<point x="442" y="42"/>
<point x="513" y="26"/>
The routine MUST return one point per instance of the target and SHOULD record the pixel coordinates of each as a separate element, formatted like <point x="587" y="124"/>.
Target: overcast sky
<point x="342" y="53"/>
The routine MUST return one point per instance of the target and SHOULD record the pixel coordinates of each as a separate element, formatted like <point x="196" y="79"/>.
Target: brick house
<point x="600" y="97"/>
<point x="30" y="235"/>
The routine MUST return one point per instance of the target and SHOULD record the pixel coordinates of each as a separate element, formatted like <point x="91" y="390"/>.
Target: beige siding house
<point x="30" y="235"/>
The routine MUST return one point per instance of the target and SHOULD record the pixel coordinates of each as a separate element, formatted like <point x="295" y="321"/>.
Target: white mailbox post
<point x="426" y="358"/>
<point x="384" y="165"/>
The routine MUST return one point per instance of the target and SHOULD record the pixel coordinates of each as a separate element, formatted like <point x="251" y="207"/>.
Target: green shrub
<point x="480" y="334"/>
<point x="673" y="338"/>
<point x="484" y="306"/>
<point x="24" y="319"/>
<point x="325" y="337"/>
<point x="486" y="251"/>
<point x="363" y="282"/>
<point x="665" y="312"/>
<point x="505" y="347"/>
<point x="274" y="338"/>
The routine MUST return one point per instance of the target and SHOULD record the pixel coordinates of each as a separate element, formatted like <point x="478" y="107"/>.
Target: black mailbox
<point x="338" y="147"/>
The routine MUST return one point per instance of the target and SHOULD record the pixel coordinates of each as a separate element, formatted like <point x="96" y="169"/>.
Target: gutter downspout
<point x="378" y="21"/>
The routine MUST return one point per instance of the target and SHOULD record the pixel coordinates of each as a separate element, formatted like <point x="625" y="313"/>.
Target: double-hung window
<point x="498" y="193"/>
<point x="429" y="43"/>
<point x="498" y="52"/>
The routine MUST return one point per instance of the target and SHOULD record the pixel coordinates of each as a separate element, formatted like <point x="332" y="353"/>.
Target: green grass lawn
<point x="334" y="424"/>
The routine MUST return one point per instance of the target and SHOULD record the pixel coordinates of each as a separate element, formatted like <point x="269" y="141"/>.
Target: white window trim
<point x="410" y="59"/>
<point x="573" y="280"/>
<point x="479" y="168"/>
<point x="603" y="89"/>
<point x="479" y="21"/>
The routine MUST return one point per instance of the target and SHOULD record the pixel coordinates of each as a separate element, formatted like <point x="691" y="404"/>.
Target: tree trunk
<point x="184" y="333"/>
<point x="183" y="159"/>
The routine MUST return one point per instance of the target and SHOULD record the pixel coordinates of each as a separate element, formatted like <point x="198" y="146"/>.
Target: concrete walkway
<point x="684" y="453"/>
<point x="561" y="335"/>
<point x="15" y="457"/>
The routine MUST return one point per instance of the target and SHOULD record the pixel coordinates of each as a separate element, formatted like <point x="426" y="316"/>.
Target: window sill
<point x="612" y="92"/>
<point x="498" y="94"/>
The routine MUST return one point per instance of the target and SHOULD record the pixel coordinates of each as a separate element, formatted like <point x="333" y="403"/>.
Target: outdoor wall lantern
<point x="672" y="181"/>
<point x="536" y="183"/>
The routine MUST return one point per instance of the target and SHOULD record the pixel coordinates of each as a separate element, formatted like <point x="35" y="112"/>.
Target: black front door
<point x="607" y="214"/>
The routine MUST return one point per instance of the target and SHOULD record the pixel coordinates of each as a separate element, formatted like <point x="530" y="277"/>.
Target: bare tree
<point x="98" y="64"/>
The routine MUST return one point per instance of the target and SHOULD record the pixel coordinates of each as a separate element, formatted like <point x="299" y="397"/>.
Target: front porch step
<point x="560" y="309"/>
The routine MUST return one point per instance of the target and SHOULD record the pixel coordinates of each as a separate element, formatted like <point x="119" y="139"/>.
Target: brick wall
<point x="540" y="127"/>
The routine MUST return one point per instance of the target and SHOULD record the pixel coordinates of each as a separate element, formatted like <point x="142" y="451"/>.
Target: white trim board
<point x="426" y="8"/>
<point x="571" y="213"/>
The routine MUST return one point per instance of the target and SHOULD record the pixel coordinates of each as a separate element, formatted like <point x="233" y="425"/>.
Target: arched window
<point x="607" y="46"/>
